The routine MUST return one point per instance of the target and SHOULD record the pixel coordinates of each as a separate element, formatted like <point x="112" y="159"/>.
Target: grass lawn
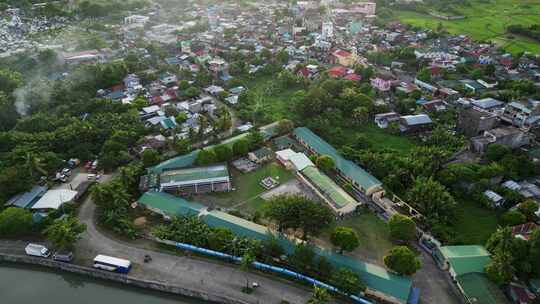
<point x="381" y="139"/>
<point x="373" y="233"/>
<point x="486" y="21"/>
<point x="474" y="224"/>
<point x="275" y="100"/>
<point x="247" y="186"/>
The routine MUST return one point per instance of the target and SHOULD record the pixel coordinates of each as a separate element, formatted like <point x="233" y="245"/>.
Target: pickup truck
<point x="37" y="250"/>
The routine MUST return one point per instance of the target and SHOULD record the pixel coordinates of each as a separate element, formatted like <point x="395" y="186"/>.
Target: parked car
<point x="93" y="177"/>
<point x="63" y="256"/>
<point x="37" y="250"/>
<point x="66" y="172"/>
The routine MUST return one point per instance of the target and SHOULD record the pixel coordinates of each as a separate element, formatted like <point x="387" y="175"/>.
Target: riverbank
<point x="22" y="284"/>
<point x="118" y="278"/>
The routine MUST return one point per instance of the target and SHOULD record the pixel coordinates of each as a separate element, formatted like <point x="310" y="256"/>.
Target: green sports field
<point x="486" y="20"/>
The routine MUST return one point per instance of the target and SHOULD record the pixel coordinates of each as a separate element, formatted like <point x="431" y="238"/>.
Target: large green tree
<point x="348" y="282"/>
<point x="298" y="212"/>
<point x="64" y="233"/>
<point x="402" y="227"/>
<point x="15" y="222"/>
<point x="402" y="260"/>
<point x="344" y="238"/>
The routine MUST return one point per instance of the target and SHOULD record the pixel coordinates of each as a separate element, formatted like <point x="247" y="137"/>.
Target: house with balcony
<point x="521" y="114"/>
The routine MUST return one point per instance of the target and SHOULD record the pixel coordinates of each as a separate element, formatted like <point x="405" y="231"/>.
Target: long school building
<point x="195" y="180"/>
<point x="358" y="177"/>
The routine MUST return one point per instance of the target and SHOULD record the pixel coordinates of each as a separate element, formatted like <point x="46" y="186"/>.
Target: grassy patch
<point x="474" y="224"/>
<point x="247" y="186"/>
<point x="486" y="21"/>
<point x="276" y="101"/>
<point x="380" y="139"/>
<point x="373" y="233"/>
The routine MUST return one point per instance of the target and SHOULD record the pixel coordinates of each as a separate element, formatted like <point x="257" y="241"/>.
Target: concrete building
<point x="473" y="121"/>
<point x="511" y="137"/>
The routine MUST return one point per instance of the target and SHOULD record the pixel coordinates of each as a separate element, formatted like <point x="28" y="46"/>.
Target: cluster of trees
<point x="225" y="152"/>
<point x="532" y="31"/>
<point x="513" y="256"/>
<point x="114" y="199"/>
<point x="297" y="212"/>
<point x="62" y="120"/>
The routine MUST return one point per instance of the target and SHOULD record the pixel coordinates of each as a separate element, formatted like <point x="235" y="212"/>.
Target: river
<point x="23" y="285"/>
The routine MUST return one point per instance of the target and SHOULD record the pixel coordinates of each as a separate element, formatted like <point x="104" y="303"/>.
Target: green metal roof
<point x="375" y="277"/>
<point x="347" y="167"/>
<point x="466" y="259"/>
<point x="328" y="187"/>
<point x="178" y="162"/>
<point x="478" y="289"/>
<point x="192" y="174"/>
<point x="238" y="225"/>
<point x="170" y="204"/>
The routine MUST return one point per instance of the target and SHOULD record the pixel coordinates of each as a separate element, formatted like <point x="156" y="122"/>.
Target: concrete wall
<point x="124" y="279"/>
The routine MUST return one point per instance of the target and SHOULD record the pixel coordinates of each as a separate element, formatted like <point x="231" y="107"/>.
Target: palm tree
<point x="245" y="265"/>
<point x="320" y="296"/>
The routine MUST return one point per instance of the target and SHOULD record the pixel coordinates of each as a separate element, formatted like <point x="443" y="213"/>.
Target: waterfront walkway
<point x="189" y="272"/>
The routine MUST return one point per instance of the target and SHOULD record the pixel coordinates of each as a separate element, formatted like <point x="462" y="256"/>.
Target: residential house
<point x="495" y="199"/>
<point x="488" y="104"/>
<point x="473" y="121"/>
<point x="27" y="199"/>
<point x="384" y="119"/>
<point x="344" y="58"/>
<point x="415" y="123"/>
<point x="261" y="155"/>
<point x="520" y="294"/>
<point x="168" y="79"/>
<point x="522" y="115"/>
<point x="511" y="137"/>
<point x="383" y="82"/>
<point x="523" y="231"/>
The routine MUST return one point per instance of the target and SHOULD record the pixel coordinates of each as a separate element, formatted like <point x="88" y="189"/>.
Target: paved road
<point x="193" y="273"/>
<point x="435" y="285"/>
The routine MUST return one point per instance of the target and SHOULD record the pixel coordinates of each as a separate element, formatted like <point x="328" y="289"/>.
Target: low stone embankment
<point x="119" y="278"/>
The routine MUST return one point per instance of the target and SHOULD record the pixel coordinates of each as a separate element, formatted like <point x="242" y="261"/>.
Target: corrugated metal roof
<point x="420" y="119"/>
<point x="238" y="225"/>
<point x="182" y="161"/>
<point x="466" y="259"/>
<point x="328" y="187"/>
<point x="375" y="277"/>
<point x="194" y="174"/>
<point x="479" y="289"/>
<point x="169" y="204"/>
<point x="488" y="103"/>
<point x="25" y="200"/>
<point x="348" y="168"/>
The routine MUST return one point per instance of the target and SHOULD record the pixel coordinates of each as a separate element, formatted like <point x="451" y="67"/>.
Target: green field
<point x="275" y="101"/>
<point x="486" y="21"/>
<point x="373" y="234"/>
<point x="380" y="139"/>
<point x="247" y="187"/>
<point x="474" y="224"/>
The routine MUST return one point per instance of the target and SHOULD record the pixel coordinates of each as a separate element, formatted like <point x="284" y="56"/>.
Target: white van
<point x="37" y="250"/>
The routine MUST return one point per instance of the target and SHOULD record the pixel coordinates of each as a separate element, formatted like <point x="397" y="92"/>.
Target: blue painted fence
<point x="266" y="267"/>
